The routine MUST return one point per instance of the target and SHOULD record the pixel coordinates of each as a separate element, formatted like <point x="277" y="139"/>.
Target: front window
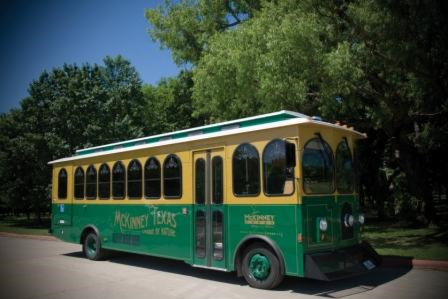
<point x="344" y="168"/>
<point x="317" y="167"/>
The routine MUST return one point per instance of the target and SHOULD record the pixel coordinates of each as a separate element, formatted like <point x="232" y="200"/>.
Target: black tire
<point x="92" y="247"/>
<point x="254" y="269"/>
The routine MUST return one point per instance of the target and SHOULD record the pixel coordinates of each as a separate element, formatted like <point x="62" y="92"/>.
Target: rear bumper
<point x="341" y="263"/>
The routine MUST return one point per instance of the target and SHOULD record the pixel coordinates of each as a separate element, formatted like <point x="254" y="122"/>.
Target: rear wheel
<point x="92" y="247"/>
<point x="261" y="267"/>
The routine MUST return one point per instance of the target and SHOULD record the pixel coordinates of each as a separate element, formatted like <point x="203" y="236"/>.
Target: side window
<point x="91" y="182"/>
<point x="104" y="182"/>
<point x="118" y="180"/>
<point x="79" y="183"/>
<point x="317" y="167"/>
<point x="152" y="179"/>
<point x="134" y="180"/>
<point x="62" y="184"/>
<point x="344" y="168"/>
<point x="172" y="177"/>
<point x="246" y="171"/>
<point x="200" y="181"/>
<point x="217" y="180"/>
<point x="278" y="179"/>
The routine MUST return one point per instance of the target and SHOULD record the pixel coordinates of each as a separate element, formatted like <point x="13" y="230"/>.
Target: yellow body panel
<point x="298" y="134"/>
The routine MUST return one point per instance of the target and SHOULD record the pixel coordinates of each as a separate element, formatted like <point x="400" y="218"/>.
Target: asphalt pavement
<point x="31" y="268"/>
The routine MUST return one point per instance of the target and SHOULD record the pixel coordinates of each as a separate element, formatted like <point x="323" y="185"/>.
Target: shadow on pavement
<point x="334" y="289"/>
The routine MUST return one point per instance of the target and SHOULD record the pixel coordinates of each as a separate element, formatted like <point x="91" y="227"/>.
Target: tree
<point x="169" y="105"/>
<point x="379" y="65"/>
<point x="186" y="26"/>
<point x="69" y="108"/>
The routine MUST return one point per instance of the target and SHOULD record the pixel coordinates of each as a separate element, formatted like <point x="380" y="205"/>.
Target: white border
<point x="260" y="127"/>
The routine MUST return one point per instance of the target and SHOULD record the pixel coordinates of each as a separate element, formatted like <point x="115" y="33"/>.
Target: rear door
<point x="208" y="178"/>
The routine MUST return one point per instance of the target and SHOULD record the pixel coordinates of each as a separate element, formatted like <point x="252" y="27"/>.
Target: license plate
<point x="369" y="265"/>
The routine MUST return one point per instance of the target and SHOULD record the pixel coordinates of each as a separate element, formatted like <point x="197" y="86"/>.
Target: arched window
<point x="318" y="167"/>
<point x="118" y="181"/>
<point x="246" y="171"/>
<point x="134" y="180"/>
<point x="79" y="183"/>
<point x="172" y="177"/>
<point x="62" y="184"/>
<point x="278" y="179"/>
<point x="152" y="178"/>
<point x="344" y="168"/>
<point x="91" y="182"/>
<point x="104" y="182"/>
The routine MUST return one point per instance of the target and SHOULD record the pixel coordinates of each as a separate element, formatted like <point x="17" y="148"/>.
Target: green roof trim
<point x="213" y="128"/>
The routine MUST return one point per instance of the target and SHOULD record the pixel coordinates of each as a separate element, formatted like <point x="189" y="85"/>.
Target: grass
<point x="20" y="225"/>
<point x="420" y="243"/>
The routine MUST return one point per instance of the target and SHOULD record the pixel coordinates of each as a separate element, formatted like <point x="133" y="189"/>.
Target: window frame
<point x="352" y="172"/>
<point x="59" y="184"/>
<point x="323" y="142"/>
<point x="103" y="182"/>
<point x="145" y="180"/>
<point x="124" y="181"/>
<point x="91" y="166"/>
<point x="83" y="184"/>
<point x="133" y="181"/>
<point x="264" y="172"/>
<point x="259" y="172"/>
<point x="180" y="178"/>
<point x="213" y="180"/>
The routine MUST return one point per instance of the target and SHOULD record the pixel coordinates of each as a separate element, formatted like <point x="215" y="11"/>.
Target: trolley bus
<point x="265" y="196"/>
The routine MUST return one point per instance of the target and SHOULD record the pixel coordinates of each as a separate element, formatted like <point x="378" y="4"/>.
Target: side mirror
<point x="290" y="150"/>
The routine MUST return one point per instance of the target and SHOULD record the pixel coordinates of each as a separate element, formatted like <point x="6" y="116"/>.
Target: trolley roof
<point x="249" y="124"/>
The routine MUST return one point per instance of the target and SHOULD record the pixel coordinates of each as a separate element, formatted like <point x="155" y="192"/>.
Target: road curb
<point x="34" y="237"/>
<point x="409" y="262"/>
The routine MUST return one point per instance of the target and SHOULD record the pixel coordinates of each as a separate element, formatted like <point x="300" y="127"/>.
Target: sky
<point x="42" y="35"/>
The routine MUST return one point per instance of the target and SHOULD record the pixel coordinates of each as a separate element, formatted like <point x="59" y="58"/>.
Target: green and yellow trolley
<point x="265" y="196"/>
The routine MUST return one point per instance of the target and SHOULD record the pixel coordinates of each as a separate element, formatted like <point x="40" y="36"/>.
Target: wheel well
<point x="245" y="243"/>
<point x="86" y="231"/>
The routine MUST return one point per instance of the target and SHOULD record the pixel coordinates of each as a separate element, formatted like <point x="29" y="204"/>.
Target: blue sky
<point x="41" y="35"/>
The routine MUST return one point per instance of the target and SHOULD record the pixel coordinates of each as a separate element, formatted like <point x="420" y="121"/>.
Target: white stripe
<point x="278" y="124"/>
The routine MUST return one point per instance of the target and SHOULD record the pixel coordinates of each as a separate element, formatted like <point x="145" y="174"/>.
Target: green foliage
<point x="378" y="65"/>
<point x="186" y="26"/>
<point x="69" y="108"/>
<point x="169" y="105"/>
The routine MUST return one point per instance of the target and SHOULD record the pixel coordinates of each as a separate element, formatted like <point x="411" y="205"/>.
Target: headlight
<point x="361" y="219"/>
<point x="348" y="220"/>
<point x="323" y="225"/>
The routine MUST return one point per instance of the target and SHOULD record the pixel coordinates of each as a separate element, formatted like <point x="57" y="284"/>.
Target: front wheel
<point x="261" y="267"/>
<point x="92" y="247"/>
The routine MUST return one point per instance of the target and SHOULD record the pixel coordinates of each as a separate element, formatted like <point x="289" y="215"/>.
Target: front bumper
<point x="341" y="263"/>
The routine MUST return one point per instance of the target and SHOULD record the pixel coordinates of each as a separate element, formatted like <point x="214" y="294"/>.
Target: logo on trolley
<point x="255" y="219"/>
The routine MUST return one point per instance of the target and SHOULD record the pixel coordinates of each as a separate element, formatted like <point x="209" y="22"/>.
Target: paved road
<point x="52" y="269"/>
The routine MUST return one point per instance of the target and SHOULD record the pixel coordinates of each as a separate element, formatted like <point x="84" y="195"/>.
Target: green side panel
<point x="277" y="222"/>
<point x="164" y="230"/>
